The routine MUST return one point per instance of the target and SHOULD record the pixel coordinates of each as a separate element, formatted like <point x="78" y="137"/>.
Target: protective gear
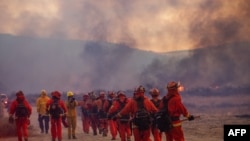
<point x="56" y="94"/>
<point x="85" y="96"/>
<point x="70" y="93"/>
<point x="111" y="94"/>
<point x="102" y="94"/>
<point x="173" y="85"/>
<point x="140" y="89"/>
<point x="11" y="120"/>
<point x="43" y="92"/>
<point x="20" y="96"/>
<point x="19" y="93"/>
<point x="154" y="92"/>
<point x="92" y="95"/>
<point x="191" y="117"/>
<point x="121" y="93"/>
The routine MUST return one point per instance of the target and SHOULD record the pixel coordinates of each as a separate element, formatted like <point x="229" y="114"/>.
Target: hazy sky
<point x="156" y="25"/>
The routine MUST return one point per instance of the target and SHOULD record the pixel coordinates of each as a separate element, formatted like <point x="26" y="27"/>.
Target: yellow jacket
<point x="71" y="107"/>
<point x="41" y="104"/>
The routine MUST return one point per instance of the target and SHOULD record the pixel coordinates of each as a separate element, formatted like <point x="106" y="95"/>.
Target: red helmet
<point x="56" y="94"/>
<point x="154" y="92"/>
<point x="173" y="85"/>
<point x="19" y="93"/>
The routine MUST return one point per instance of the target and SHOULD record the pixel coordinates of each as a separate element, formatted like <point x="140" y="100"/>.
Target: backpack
<point x="163" y="119"/>
<point x="21" y="110"/>
<point x="55" y="109"/>
<point x="142" y="117"/>
<point x="102" y="114"/>
<point x="123" y="118"/>
<point x="153" y="117"/>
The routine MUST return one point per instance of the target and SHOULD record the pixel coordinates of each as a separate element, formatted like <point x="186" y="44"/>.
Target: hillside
<point x="212" y="67"/>
<point x="32" y="64"/>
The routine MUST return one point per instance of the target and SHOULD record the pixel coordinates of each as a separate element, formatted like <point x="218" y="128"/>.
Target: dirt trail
<point x="209" y="128"/>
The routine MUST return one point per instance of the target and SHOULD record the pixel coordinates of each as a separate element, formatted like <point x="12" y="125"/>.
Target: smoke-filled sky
<point x="155" y="25"/>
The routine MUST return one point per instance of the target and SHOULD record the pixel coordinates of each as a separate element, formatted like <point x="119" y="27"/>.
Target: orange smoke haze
<point x="160" y="25"/>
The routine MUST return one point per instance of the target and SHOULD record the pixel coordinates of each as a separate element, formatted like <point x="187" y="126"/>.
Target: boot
<point x="74" y="137"/>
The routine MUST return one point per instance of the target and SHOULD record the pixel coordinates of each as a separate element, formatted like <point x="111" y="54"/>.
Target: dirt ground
<point x="207" y="128"/>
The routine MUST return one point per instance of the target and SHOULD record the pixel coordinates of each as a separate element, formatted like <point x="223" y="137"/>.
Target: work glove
<point x="11" y="119"/>
<point x="191" y="117"/>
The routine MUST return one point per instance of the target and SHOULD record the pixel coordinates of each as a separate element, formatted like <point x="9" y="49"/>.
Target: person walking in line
<point x="85" y="108"/>
<point x="112" y="123"/>
<point x="173" y="103"/>
<point x="93" y="112"/>
<point x="20" y="111"/>
<point x="43" y="116"/>
<point x="154" y="92"/>
<point x="71" y="105"/>
<point x="140" y="107"/>
<point x="56" y="108"/>
<point x="102" y="105"/>
<point x="123" y="122"/>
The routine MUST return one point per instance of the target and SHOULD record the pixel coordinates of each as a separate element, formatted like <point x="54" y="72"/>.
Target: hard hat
<point x="154" y="92"/>
<point x="102" y="94"/>
<point x="70" y="93"/>
<point x="140" y="89"/>
<point x="19" y="93"/>
<point x="121" y="93"/>
<point x="56" y="94"/>
<point x="111" y="94"/>
<point x="85" y="96"/>
<point x="43" y="92"/>
<point x="173" y="85"/>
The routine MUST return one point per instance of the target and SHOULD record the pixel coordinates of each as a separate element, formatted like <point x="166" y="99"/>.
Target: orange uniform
<point x="175" y="109"/>
<point x="56" y="123"/>
<point x="131" y="108"/>
<point x="124" y="121"/>
<point x="85" y="113"/>
<point x="102" y="106"/>
<point x="22" y="121"/>
<point x="154" y="129"/>
<point x="93" y="115"/>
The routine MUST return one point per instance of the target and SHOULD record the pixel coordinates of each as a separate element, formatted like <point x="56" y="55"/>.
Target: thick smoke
<point x="162" y="25"/>
<point x="224" y="66"/>
<point x="219" y="24"/>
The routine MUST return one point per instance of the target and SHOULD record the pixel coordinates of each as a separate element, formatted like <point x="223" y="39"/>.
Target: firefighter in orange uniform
<point x="175" y="109"/>
<point x="155" y="99"/>
<point x="22" y="110"/>
<point x="56" y="108"/>
<point x="123" y="121"/>
<point x="102" y="105"/>
<point x="112" y="123"/>
<point x="86" y="113"/>
<point x="93" y="112"/>
<point x="139" y="103"/>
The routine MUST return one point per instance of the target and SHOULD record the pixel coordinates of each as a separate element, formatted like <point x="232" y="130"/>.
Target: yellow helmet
<point x="70" y="93"/>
